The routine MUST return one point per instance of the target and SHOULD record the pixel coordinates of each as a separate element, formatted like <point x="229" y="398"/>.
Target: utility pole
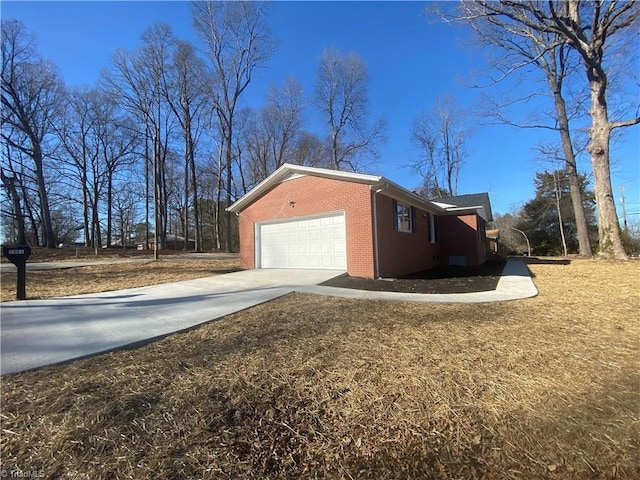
<point x="556" y="188"/>
<point x="624" y="212"/>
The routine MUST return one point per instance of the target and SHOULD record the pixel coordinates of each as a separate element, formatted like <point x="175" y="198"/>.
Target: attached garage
<point x="307" y="217"/>
<point x="316" y="241"/>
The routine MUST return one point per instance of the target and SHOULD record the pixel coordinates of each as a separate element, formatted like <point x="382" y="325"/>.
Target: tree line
<point x="161" y="144"/>
<point x="572" y="45"/>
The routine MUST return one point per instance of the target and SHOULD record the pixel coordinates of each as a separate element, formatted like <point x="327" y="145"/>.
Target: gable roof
<point x="472" y="203"/>
<point x="377" y="183"/>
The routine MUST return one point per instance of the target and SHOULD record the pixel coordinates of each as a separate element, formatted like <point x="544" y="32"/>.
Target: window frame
<point x="402" y="216"/>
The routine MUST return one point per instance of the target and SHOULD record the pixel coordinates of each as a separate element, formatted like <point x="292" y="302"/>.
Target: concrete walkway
<point x="514" y="284"/>
<point x="35" y="333"/>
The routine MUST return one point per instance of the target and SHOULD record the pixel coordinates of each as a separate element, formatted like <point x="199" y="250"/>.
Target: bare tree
<point x="272" y="133"/>
<point x="97" y="141"/>
<point x="81" y="150"/>
<point x="311" y="150"/>
<point x="19" y="182"/>
<point x="589" y="29"/>
<point x="16" y="214"/>
<point x="186" y="94"/>
<point x="137" y="79"/>
<point x="238" y="42"/>
<point x="341" y="91"/>
<point x="439" y="138"/>
<point x="30" y="100"/>
<point x="284" y="114"/>
<point x="547" y="53"/>
<point x="125" y="207"/>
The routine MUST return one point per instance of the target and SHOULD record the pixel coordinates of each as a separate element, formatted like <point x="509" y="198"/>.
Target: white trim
<point x="396" y="216"/>
<point x="287" y="170"/>
<point x="379" y="184"/>
<point x="479" y="209"/>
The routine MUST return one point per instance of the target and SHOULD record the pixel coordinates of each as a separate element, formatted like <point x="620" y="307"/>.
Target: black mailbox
<point x="18" y="255"/>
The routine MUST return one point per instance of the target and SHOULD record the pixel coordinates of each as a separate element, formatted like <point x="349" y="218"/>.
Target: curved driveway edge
<point x="514" y="284"/>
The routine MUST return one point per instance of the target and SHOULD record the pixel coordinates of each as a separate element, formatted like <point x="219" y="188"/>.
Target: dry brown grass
<point x="103" y="278"/>
<point x="315" y="387"/>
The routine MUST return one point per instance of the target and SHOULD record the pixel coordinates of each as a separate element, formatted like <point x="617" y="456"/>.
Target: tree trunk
<point x="30" y="215"/>
<point x="216" y="207"/>
<point x="610" y="242"/>
<point x="48" y="239"/>
<point x="109" y="206"/>
<point x="146" y="188"/>
<point x="187" y="163"/>
<point x="85" y="210"/>
<point x="9" y="183"/>
<point x="194" y="187"/>
<point x="228" y="162"/>
<point x="97" y="236"/>
<point x="584" y="243"/>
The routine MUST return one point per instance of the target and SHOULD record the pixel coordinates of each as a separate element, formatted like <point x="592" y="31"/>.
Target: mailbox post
<point x="18" y="255"/>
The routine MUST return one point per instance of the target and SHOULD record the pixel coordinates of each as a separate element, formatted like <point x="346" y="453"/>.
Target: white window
<point x="403" y="218"/>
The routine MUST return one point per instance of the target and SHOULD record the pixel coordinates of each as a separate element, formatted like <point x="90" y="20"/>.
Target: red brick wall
<point x="313" y="195"/>
<point x="464" y="235"/>
<point x="401" y="253"/>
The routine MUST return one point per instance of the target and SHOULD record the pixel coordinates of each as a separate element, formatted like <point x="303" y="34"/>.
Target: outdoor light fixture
<point x="292" y="203"/>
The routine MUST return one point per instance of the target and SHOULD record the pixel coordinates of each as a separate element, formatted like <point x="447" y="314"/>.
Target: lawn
<point x="316" y="387"/>
<point x="103" y="278"/>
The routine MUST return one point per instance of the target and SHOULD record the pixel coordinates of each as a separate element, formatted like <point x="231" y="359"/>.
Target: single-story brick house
<point x="305" y="217"/>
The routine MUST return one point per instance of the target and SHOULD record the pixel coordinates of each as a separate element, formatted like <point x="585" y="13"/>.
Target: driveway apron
<point x="35" y="333"/>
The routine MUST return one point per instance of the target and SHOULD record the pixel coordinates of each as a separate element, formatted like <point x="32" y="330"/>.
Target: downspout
<point x="376" y="261"/>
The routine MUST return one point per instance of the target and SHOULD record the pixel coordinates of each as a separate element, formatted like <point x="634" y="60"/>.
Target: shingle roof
<point x="476" y="203"/>
<point x="470" y="201"/>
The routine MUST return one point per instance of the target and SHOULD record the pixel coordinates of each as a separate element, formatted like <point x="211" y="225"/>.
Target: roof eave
<point x="397" y="192"/>
<point x="287" y="169"/>
<point x="479" y="209"/>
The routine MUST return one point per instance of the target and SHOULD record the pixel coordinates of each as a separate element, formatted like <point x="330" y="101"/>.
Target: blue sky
<point x="411" y="62"/>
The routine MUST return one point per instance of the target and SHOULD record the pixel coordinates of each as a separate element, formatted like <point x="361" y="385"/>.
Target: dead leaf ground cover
<point x="41" y="254"/>
<point x="315" y="387"/>
<point x="103" y="278"/>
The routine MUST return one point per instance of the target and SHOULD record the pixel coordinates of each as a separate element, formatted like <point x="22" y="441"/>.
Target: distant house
<point x="366" y="225"/>
<point x="174" y="242"/>
<point x="493" y="238"/>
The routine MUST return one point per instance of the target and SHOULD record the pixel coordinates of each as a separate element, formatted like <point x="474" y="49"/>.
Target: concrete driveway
<point x="35" y="333"/>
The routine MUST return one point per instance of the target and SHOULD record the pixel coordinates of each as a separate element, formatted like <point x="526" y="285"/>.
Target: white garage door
<point x="306" y="242"/>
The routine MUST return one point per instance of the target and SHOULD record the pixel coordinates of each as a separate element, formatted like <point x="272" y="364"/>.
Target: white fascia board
<point x="446" y="206"/>
<point x="378" y="184"/>
<point x="479" y="209"/>
<point x="287" y="171"/>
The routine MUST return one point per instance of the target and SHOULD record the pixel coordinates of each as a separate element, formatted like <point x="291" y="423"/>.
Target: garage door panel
<point x="318" y="242"/>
